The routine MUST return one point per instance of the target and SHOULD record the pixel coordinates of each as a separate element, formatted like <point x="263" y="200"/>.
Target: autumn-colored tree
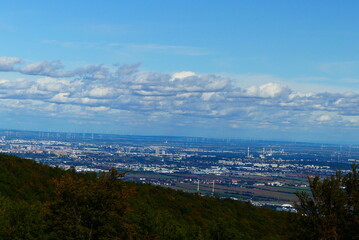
<point x="90" y="209"/>
<point x="332" y="210"/>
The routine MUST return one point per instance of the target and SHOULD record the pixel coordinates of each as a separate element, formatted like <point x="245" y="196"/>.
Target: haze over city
<point x="280" y="70"/>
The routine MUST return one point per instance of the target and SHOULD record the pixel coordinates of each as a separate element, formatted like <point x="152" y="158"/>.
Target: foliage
<point x="21" y="220"/>
<point x="332" y="211"/>
<point x="169" y="214"/>
<point x="95" y="209"/>
<point x="40" y="202"/>
<point x="21" y="179"/>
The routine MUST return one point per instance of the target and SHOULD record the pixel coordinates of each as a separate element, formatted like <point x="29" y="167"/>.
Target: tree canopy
<point x="40" y="202"/>
<point x="332" y="210"/>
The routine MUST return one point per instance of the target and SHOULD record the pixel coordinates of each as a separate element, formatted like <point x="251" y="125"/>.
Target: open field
<point x="242" y="188"/>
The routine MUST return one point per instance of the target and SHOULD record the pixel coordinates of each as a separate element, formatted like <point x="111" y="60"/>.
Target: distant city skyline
<point x="273" y="70"/>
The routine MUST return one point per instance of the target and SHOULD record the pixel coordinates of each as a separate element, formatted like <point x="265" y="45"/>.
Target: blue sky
<point x="283" y="70"/>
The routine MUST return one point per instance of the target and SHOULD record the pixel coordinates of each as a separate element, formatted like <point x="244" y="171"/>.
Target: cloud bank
<point x="127" y="94"/>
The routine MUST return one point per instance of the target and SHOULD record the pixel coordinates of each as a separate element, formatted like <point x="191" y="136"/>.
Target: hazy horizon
<point x="87" y="135"/>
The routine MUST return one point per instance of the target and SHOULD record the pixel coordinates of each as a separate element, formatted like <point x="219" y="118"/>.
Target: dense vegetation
<point x="40" y="202"/>
<point x="332" y="210"/>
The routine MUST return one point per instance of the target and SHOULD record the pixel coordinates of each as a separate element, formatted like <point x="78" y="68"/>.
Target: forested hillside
<point x="40" y="202"/>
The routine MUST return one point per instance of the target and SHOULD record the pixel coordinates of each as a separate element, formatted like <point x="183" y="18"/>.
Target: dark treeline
<point x="40" y="202"/>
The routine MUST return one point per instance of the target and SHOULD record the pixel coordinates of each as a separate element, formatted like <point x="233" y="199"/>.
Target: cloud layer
<point x="127" y="94"/>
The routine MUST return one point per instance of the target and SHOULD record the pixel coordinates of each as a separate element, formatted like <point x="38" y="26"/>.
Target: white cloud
<point x="98" y="109"/>
<point x="101" y="92"/>
<point x="8" y="63"/>
<point x="117" y="89"/>
<point x="181" y="75"/>
<point x="271" y="90"/>
<point x="324" y="118"/>
<point x="44" y="68"/>
<point x="54" y="84"/>
<point x="61" y="98"/>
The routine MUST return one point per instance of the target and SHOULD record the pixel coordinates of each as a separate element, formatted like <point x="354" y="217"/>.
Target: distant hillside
<point x="40" y="202"/>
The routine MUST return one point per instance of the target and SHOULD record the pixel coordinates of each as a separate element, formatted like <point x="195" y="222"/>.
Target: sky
<point x="271" y="70"/>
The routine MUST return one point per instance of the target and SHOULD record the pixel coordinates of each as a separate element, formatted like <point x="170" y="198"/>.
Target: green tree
<point x="21" y="220"/>
<point x="332" y="210"/>
<point x="90" y="209"/>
